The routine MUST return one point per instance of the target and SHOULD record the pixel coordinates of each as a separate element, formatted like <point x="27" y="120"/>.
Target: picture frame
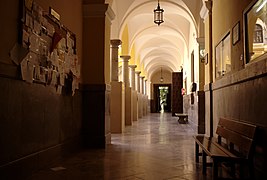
<point x="236" y="33"/>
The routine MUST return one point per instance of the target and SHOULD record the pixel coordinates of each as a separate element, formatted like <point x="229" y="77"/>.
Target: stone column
<point x="145" y="98"/>
<point x="142" y="84"/>
<point x="134" y="93"/>
<point x="143" y="95"/>
<point x="138" y="80"/>
<point x="140" y="96"/>
<point x="115" y="43"/>
<point x="145" y="87"/>
<point x="117" y="99"/>
<point x="95" y="74"/>
<point x="125" y="70"/>
<point x="132" y="71"/>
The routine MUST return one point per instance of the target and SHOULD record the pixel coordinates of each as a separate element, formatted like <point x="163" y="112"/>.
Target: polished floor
<point x="156" y="147"/>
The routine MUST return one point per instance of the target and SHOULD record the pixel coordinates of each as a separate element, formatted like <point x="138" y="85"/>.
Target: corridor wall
<point x="241" y="93"/>
<point x="38" y="125"/>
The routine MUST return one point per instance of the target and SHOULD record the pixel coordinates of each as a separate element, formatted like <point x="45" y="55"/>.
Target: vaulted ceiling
<point x="167" y="45"/>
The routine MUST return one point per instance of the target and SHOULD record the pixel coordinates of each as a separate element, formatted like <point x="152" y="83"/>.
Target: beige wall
<point x="155" y="79"/>
<point x="226" y="14"/>
<point x="242" y="94"/>
<point x="36" y="122"/>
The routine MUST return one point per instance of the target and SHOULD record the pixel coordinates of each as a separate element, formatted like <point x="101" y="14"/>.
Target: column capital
<point x="115" y="42"/>
<point x="138" y="72"/>
<point x="132" y="66"/>
<point x="142" y="77"/>
<point x="125" y="57"/>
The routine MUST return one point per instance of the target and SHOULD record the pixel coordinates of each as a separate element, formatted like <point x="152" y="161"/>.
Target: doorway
<point x="162" y="97"/>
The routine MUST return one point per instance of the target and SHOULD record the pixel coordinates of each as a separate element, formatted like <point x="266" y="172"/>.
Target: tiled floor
<point x="155" y="147"/>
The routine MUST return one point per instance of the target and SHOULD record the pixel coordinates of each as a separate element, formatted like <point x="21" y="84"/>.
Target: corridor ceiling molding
<point x="167" y="45"/>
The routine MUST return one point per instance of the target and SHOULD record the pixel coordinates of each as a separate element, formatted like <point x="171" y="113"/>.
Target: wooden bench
<point x="233" y="146"/>
<point x="182" y="118"/>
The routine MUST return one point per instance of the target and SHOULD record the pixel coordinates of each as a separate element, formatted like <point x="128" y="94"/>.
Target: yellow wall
<point x="125" y="41"/>
<point x="125" y="51"/>
<point x="132" y="60"/>
<point x="207" y="50"/>
<point x="137" y="62"/>
<point x="143" y="72"/>
<point x="225" y="15"/>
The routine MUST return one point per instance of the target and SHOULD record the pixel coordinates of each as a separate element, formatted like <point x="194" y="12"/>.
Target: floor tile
<point x="156" y="147"/>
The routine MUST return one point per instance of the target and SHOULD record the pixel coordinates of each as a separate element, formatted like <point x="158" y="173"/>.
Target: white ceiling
<point x="167" y="45"/>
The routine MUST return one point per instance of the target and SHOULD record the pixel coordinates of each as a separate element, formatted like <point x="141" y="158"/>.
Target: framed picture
<point x="236" y="33"/>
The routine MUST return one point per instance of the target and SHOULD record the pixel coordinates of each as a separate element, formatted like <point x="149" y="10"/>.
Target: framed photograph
<point x="236" y="33"/>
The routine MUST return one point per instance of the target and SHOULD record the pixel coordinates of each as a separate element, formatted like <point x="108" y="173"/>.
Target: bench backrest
<point x="239" y="136"/>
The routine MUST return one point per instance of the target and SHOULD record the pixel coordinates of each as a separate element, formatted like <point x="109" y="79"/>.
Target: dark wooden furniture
<point x="182" y="118"/>
<point x="177" y="98"/>
<point x="234" y="146"/>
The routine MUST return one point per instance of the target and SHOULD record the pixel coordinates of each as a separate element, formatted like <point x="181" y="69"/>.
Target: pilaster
<point x="95" y="74"/>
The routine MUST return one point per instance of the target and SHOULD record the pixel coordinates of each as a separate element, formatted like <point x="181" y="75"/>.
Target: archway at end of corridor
<point x="162" y="98"/>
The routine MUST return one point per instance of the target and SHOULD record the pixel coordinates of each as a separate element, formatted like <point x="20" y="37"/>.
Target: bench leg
<point x="233" y="170"/>
<point x="241" y="171"/>
<point x="215" y="169"/>
<point x="197" y="153"/>
<point x="251" y="170"/>
<point x="204" y="162"/>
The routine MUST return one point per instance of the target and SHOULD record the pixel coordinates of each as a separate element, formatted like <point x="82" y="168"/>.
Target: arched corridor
<point x="87" y="74"/>
<point x="155" y="147"/>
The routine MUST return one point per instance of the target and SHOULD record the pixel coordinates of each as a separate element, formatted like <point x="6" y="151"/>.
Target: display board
<point x="51" y="58"/>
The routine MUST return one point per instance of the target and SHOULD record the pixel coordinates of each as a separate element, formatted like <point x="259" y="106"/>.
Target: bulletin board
<point x="51" y="58"/>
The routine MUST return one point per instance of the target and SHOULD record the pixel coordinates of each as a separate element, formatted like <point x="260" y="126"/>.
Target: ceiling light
<point x="158" y="15"/>
<point x="161" y="78"/>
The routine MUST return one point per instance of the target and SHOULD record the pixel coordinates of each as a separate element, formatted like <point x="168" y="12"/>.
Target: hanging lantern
<point x="161" y="77"/>
<point x="158" y="15"/>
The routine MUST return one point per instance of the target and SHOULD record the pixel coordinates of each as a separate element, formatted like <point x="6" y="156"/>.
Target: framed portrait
<point x="236" y="33"/>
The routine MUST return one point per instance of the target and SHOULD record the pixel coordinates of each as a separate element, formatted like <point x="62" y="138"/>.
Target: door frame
<point x="156" y="95"/>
